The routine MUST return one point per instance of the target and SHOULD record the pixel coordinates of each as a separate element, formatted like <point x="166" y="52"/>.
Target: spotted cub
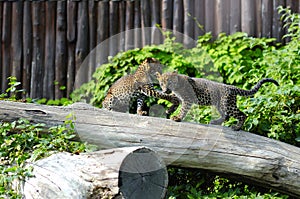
<point x="205" y="92"/>
<point x="136" y="86"/>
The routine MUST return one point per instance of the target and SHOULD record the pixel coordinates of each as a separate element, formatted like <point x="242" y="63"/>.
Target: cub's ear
<point x="157" y="74"/>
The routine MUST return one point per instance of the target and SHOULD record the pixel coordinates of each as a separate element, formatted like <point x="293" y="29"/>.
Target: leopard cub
<point x="136" y="86"/>
<point x="205" y="92"/>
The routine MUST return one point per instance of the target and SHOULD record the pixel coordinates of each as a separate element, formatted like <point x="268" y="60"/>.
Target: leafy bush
<point x="22" y="141"/>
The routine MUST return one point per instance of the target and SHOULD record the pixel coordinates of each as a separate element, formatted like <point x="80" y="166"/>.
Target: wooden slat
<point x="137" y="25"/>
<point x="1" y="20"/>
<point x="188" y="26"/>
<point x="122" y="24"/>
<point x="258" y="24"/>
<point x="92" y="22"/>
<point x="277" y="30"/>
<point x="49" y="72"/>
<point x="248" y="17"/>
<point x="209" y="16"/>
<point x="235" y="16"/>
<point x="71" y="39"/>
<point x="167" y="14"/>
<point x="37" y="69"/>
<point x="178" y="19"/>
<point x="200" y="17"/>
<point x="267" y="14"/>
<point x="222" y="16"/>
<point x="16" y="44"/>
<point x="27" y="47"/>
<point x="61" y="49"/>
<point x="6" y="39"/>
<point x="102" y="30"/>
<point x="146" y="22"/>
<point x="113" y="27"/>
<point x="82" y="43"/>
<point x="129" y="37"/>
<point x="156" y="20"/>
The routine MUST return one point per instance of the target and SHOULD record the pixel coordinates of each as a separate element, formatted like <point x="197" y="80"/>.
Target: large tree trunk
<point x="131" y="172"/>
<point x="266" y="162"/>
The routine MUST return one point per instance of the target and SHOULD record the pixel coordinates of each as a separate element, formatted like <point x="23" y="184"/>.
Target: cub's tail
<point x="256" y="87"/>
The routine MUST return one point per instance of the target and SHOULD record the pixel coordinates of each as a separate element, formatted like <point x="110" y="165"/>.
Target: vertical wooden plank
<point x="235" y="16"/>
<point x="267" y="13"/>
<point x="37" y="69"/>
<point x="167" y="14"/>
<point x="200" y="17"/>
<point x="6" y="39"/>
<point x="92" y="37"/>
<point x="156" y="20"/>
<point x="122" y="20"/>
<point x="113" y="27"/>
<point x="277" y="27"/>
<point x="188" y="27"/>
<point x="209" y="16"/>
<point x="146" y="22"/>
<point x="258" y="23"/>
<point x="16" y="44"/>
<point x="49" y="72"/>
<point x="1" y="19"/>
<point x="178" y="19"/>
<point x="248" y="17"/>
<point x="294" y="5"/>
<point x="129" y="36"/>
<point x="137" y="24"/>
<point x="27" y="47"/>
<point x="61" y="51"/>
<point x="102" y="31"/>
<point x="82" y="44"/>
<point x="71" y="39"/>
<point x="222" y="16"/>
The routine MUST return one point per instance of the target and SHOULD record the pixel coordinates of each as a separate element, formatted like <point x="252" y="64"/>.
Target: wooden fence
<point x="45" y="43"/>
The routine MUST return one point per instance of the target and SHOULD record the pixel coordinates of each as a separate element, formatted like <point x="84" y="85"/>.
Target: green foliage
<point x="22" y="141"/>
<point x="13" y="90"/>
<point x="195" y="184"/>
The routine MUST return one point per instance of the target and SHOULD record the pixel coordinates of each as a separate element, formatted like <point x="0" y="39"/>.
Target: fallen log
<point x="131" y="172"/>
<point x="254" y="158"/>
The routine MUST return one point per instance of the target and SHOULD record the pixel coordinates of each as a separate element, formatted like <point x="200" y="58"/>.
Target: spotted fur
<point x="136" y="86"/>
<point x="205" y="92"/>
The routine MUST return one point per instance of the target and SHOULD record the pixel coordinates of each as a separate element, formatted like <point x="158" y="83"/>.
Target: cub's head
<point x="167" y="81"/>
<point x="151" y="66"/>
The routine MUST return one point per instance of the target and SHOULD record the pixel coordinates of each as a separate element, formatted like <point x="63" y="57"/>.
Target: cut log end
<point x="143" y="175"/>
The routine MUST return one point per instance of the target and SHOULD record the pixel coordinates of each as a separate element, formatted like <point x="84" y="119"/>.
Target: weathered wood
<point x="248" y="17"/>
<point x="27" y="48"/>
<point x="266" y="18"/>
<point x="129" y="24"/>
<point x="82" y="43"/>
<point x="235" y="16"/>
<point x="167" y="13"/>
<point x="137" y="25"/>
<point x="16" y="46"/>
<point x="266" y="162"/>
<point x="38" y="52"/>
<point x="5" y="40"/>
<point x="61" y="49"/>
<point x="49" y="71"/>
<point x="113" y="27"/>
<point x="178" y="19"/>
<point x="71" y="38"/>
<point x="132" y="172"/>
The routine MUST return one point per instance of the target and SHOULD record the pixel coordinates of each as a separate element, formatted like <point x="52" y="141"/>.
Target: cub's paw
<point x="176" y="119"/>
<point x="142" y="113"/>
<point x="236" y="127"/>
